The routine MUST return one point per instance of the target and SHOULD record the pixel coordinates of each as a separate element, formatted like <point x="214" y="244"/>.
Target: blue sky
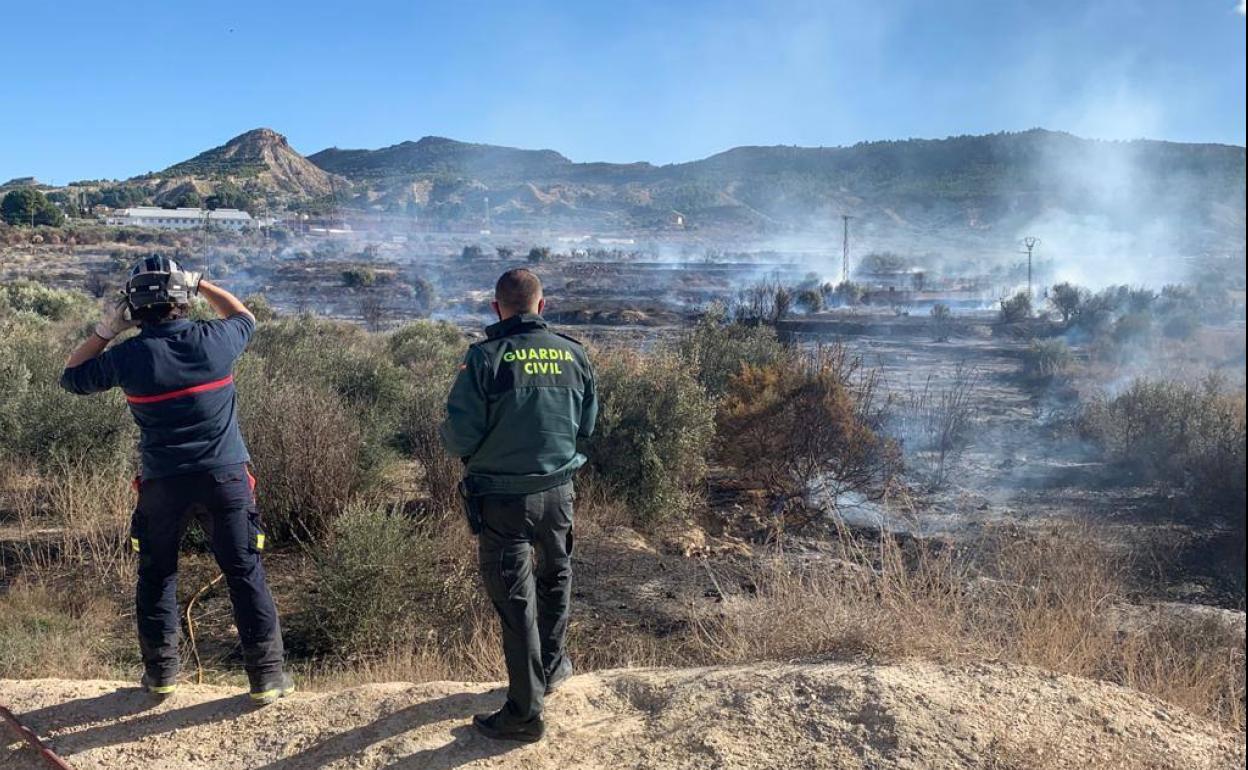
<point x="95" y="89"/>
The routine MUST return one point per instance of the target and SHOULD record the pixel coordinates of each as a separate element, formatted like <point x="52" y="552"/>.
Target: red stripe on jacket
<point x="207" y="386"/>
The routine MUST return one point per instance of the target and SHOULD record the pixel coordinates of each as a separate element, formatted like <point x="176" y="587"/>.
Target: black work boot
<point x="502" y="726"/>
<point x="560" y="675"/>
<point x="160" y="686"/>
<point x="271" y="687"/>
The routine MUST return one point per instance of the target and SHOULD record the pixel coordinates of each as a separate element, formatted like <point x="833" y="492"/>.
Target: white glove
<point x="192" y="279"/>
<point x="115" y="321"/>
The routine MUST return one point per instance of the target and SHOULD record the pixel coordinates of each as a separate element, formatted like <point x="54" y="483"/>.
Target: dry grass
<point x="1046" y="602"/>
<point x="45" y="631"/>
<point x="76" y="525"/>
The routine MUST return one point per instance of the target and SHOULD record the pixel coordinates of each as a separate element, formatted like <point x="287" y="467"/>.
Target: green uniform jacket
<point x="522" y="398"/>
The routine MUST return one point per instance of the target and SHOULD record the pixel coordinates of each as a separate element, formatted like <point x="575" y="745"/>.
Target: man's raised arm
<point x="225" y="304"/>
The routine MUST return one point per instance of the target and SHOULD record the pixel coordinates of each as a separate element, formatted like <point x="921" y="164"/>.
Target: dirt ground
<point x="831" y="715"/>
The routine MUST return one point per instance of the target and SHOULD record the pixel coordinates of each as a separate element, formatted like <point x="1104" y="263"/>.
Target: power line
<point x="845" y="248"/>
<point x="1029" y="245"/>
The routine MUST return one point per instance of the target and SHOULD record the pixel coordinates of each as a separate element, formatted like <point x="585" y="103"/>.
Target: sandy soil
<point x="832" y="715"/>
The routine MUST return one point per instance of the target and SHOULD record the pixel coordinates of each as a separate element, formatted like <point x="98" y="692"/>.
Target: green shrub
<point x="358" y="277"/>
<point x="305" y="444"/>
<point x="809" y="300"/>
<point x="942" y="322"/>
<point x="260" y="307"/>
<point x="41" y="422"/>
<point x="430" y="353"/>
<point x="1016" y="308"/>
<point x="354" y="366"/>
<point x="717" y="349"/>
<point x="427" y="348"/>
<point x="1188" y="437"/>
<point x="371" y="582"/>
<point x="655" y="428"/>
<point x="1046" y="359"/>
<point x="1067" y="298"/>
<point x="1135" y="326"/>
<point x="53" y="304"/>
<point x="423" y="412"/>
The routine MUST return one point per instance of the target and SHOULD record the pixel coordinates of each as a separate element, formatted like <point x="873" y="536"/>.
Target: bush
<point x="423" y="413"/>
<point x="1016" y="308"/>
<point x="716" y="349"/>
<point x="1046" y="359"/>
<point x="655" y="428"/>
<point x="1133" y="327"/>
<point x="427" y="348"/>
<point x="305" y="443"/>
<point x="766" y="301"/>
<point x="259" y="306"/>
<point x="368" y="578"/>
<point x="358" y="277"/>
<point x="809" y="300"/>
<point x="1188" y="437"/>
<point x="942" y="322"/>
<point x="41" y="422"/>
<point x="422" y="295"/>
<point x="808" y="432"/>
<point x="350" y="363"/>
<point x="1067" y="298"/>
<point x="937" y="424"/>
<point x="53" y="304"/>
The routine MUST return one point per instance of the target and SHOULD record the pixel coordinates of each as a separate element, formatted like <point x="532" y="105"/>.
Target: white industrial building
<point x="181" y="219"/>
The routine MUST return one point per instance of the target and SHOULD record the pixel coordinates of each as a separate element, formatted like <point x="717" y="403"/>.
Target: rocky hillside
<point x="260" y="161"/>
<point x="435" y="155"/>
<point x="906" y="716"/>
<point x="1150" y="196"/>
<point x="967" y="186"/>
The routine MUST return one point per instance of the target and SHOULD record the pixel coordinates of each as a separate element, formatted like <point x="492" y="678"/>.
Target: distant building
<point x="181" y="219"/>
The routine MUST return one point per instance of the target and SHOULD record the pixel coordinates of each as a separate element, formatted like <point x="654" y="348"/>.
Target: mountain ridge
<point x="951" y="189"/>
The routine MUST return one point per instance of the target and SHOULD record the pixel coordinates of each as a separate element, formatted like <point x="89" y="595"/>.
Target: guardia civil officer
<point x="178" y="379"/>
<point x="522" y="398"/>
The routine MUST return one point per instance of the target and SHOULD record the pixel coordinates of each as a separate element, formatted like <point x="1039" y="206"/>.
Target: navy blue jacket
<point x="178" y="379"/>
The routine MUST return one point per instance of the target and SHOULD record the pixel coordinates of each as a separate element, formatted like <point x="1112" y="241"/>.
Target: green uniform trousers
<point x="531" y="595"/>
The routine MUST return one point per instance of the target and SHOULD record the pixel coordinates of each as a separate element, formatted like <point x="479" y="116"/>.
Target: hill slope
<point x="967" y="184"/>
<point x="835" y="715"/>
<point x="261" y="159"/>
<point x="436" y="155"/>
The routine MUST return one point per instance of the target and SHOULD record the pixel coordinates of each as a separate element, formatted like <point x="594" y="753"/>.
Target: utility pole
<point x="487" y="213"/>
<point x="845" y="248"/>
<point x="333" y="201"/>
<point x="1029" y="245"/>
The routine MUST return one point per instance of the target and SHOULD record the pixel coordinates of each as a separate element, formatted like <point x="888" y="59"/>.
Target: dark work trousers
<point x="224" y="502"/>
<point x="532" y="599"/>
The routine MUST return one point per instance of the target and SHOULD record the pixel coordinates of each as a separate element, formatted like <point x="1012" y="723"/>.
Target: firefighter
<point x="522" y="398"/>
<point x="178" y="380"/>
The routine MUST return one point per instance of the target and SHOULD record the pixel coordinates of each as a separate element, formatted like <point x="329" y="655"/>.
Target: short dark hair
<point x="155" y="314"/>
<point x="518" y="289"/>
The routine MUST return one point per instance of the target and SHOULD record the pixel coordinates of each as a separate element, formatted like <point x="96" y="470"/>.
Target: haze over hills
<point x="1177" y="197"/>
